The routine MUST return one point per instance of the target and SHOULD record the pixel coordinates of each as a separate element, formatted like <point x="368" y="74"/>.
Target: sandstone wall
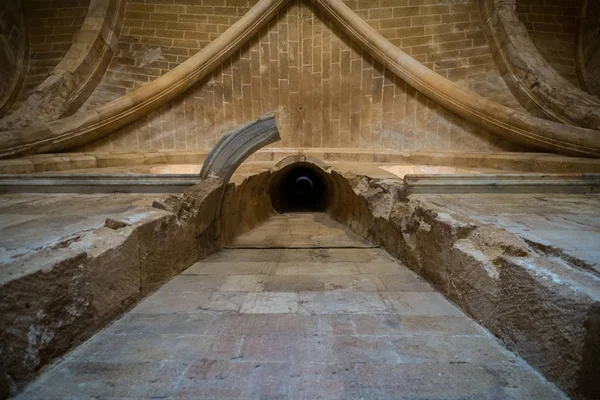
<point x="53" y="26"/>
<point x="445" y="35"/>
<point x="13" y="49"/>
<point x="325" y="90"/>
<point x="551" y="26"/>
<point x="159" y="35"/>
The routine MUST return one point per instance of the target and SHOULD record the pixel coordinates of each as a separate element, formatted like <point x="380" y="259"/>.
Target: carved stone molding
<point x="537" y="86"/>
<point x="13" y="60"/>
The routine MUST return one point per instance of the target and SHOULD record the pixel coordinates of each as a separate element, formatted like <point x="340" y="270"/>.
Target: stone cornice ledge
<point x="80" y="129"/>
<point x="513" y="125"/>
<point x="537" y="86"/>
<point x="502" y="183"/>
<point x="76" y="76"/>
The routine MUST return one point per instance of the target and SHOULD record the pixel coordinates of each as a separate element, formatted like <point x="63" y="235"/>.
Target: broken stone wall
<point x="326" y="91"/>
<point x="56" y="297"/>
<point x="541" y="306"/>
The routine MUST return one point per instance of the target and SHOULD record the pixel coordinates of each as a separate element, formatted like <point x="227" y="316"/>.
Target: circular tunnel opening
<point x="300" y="187"/>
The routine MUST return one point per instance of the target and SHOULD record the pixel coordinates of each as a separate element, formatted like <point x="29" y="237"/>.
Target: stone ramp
<point x="302" y="230"/>
<point x="323" y="323"/>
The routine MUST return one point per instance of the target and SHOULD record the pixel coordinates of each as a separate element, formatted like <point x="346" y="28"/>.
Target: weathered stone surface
<point x="308" y="93"/>
<point x="587" y="48"/>
<point x="54" y="298"/>
<point x="487" y="266"/>
<point x="40" y="320"/>
<point x="77" y="71"/>
<point x="419" y="103"/>
<point x="542" y="305"/>
<point x="287" y="341"/>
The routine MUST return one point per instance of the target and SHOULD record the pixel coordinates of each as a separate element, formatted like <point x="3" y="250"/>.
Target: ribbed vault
<point x="513" y="126"/>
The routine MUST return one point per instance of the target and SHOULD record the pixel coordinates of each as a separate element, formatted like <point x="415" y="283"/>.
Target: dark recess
<point x="300" y="187"/>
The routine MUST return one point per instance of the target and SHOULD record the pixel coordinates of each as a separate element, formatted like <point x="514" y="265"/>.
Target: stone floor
<point x="299" y="230"/>
<point x="310" y="323"/>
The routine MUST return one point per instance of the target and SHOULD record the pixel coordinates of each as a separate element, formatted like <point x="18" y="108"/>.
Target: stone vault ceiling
<point x="332" y="79"/>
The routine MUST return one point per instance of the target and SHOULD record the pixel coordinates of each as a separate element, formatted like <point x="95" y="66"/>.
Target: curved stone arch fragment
<point x="533" y="81"/>
<point x="239" y="144"/>
<point x="231" y="151"/>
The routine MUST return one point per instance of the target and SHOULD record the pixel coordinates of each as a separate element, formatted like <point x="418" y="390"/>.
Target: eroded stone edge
<point x="542" y="307"/>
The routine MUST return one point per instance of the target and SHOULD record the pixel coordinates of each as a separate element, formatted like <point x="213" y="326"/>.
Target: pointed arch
<point x="515" y="126"/>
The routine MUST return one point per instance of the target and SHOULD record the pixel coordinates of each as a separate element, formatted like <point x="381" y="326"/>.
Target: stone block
<point x="18" y="166"/>
<point x="43" y="312"/>
<point x="119" y="160"/>
<point x="337" y="302"/>
<point x="270" y="303"/>
<point x="119" y="380"/>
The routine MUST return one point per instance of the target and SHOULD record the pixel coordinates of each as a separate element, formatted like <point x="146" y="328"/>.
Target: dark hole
<point x="300" y="188"/>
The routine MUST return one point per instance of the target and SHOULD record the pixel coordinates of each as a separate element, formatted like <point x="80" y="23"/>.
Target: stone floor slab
<point x="420" y="303"/>
<point x="315" y="268"/>
<point x="270" y="303"/>
<point x="300" y="230"/>
<point x="341" y="302"/>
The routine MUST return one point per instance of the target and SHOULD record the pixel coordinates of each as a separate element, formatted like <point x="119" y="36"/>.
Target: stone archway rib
<point x="513" y="125"/>
<point x="77" y="130"/>
<point x="237" y="145"/>
<point x="517" y="127"/>
<point x="13" y="80"/>
<point x="537" y="86"/>
<point x="231" y="151"/>
<point x="527" y="73"/>
<point x="75" y="77"/>
<point x="587" y="62"/>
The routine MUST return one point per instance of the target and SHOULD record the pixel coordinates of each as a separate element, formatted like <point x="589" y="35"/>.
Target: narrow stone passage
<point x="294" y="323"/>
